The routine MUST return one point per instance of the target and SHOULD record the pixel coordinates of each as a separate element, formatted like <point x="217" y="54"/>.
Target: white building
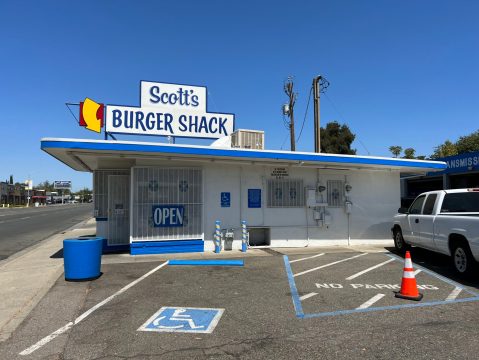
<point x="159" y="198"/>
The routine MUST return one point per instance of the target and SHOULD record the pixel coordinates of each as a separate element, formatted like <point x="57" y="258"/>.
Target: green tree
<point x="337" y="139"/>
<point x="395" y="150"/>
<point x="45" y="185"/>
<point x="409" y="153"/>
<point x="85" y="194"/>
<point x="11" y="179"/>
<point x="443" y="150"/>
<point x="468" y="143"/>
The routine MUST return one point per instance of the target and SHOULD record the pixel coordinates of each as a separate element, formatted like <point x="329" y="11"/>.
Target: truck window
<point x="461" y="202"/>
<point x="429" y="205"/>
<point x="416" y="206"/>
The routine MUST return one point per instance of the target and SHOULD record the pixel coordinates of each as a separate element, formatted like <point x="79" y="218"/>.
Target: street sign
<point x="178" y="319"/>
<point x="225" y="199"/>
<point x="62" y="184"/>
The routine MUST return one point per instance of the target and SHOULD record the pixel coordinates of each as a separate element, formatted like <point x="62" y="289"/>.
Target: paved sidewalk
<point x="28" y="275"/>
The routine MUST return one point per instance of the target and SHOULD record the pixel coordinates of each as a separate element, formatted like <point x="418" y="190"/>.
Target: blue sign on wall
<point x="190" y="320"/>
<point x="225" y="199"/>
<point x="168" y="215"/>
<point x="254" y="198"/>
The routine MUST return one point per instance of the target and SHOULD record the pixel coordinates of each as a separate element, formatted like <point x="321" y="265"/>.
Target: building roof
<point x="87" y="155"/>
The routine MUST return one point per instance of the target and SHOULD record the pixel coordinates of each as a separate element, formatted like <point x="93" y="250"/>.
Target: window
<point x="178" y="190"/>
<point x="285" y="193"/>
<point x="335" y="193"/>
<point x="429" y="206"/>
<point x="417" y="205"/>
<point x="461" y="202"/>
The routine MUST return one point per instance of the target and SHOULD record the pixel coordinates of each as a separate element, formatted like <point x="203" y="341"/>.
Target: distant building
<point x="462" y="172"/>
<point x="12" y="194"/>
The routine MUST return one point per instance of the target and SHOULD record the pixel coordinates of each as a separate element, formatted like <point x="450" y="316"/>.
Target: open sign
<point x="168" y="215"/>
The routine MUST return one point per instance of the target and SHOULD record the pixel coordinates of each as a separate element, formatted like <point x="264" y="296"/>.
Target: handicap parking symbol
<point x="178" y="319"/>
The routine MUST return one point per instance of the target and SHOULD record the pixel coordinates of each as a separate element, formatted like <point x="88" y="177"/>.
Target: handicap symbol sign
<point x="225" y="199"/>
<point x="177" y="319"/>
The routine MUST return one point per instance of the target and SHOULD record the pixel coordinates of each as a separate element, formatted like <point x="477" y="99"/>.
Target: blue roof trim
<point x="154" y="148"/>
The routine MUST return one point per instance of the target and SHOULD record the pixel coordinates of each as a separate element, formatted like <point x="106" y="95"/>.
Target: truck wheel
<point x="399" y="242"/>
<point x="462" y="259"/>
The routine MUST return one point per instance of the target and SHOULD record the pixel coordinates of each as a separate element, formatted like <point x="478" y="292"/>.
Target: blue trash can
<point x="82" y="258"/>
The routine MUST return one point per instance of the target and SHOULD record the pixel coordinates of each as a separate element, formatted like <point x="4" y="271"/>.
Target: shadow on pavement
<point x="439" y="263"/>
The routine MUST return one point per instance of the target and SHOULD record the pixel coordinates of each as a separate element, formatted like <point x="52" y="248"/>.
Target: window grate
<point x="285" y="193"/>
<point x="181" y="187"/>
<point x="335" y="193"/>
<point x="100" y="190"/>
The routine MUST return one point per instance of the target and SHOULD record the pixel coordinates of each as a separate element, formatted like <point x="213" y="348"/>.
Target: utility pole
<point x="320" y="84"/>
<point x="288" y="109"/>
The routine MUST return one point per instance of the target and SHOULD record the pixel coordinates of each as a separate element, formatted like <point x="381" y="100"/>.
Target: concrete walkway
<point x="28" y="275"/>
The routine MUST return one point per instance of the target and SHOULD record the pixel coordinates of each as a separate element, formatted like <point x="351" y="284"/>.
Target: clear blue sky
<point x="402" y="72"/>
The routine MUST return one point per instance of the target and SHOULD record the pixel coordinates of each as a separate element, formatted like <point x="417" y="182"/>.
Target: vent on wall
<point x="248" y="139"/>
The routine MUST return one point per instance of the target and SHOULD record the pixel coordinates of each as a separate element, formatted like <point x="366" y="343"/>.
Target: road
<point x="24" y="227"/>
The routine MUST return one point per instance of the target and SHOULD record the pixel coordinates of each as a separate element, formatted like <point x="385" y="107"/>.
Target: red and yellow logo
<point x="92" y="115"/>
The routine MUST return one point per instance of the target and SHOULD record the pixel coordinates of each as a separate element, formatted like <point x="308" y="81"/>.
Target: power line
<point x="344" y="120"/>
<point x="285" y="138"/>
<point x="305" y="114"/>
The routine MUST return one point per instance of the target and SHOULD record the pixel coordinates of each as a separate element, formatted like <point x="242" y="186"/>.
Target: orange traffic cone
<point x="409" y="289"/>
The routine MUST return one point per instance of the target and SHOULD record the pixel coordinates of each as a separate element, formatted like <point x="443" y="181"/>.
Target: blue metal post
<point x="217" y="236"/>
<point x="243" y="236"/>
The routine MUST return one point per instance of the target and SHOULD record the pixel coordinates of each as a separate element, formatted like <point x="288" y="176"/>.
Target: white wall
<point x="375" y="196"/>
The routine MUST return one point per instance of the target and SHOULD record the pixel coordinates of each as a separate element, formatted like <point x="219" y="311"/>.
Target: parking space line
<point x="306" y="258"/>
<point x="330" y="264"/>
<point x="65" y="328"/>
<point x="417" y="272"/>
<point x="454" y="294"/>
<point x="393" y="307"/>
<point x="368" y="269"/>
<point x="440" y="277"/>
<point x="292" y="285"/>
<point x="307" y="296"/>
<point x="371" y="301"/>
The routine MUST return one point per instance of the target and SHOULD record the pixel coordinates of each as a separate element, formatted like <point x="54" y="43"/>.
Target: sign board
<point x="225" y="199"/>
<point x="280" y="173"/>
<point x="461" y="163"/>
<point x="28" y="184"/>
<point x="254" y="198"/>
<point x="169" y="110"/>
<point x="62" y="184"/>
<point x="168" y="215"/>
<point x="188" y="320"/>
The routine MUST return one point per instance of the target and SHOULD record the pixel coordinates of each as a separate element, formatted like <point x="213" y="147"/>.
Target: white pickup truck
<point x="445" y="221"/>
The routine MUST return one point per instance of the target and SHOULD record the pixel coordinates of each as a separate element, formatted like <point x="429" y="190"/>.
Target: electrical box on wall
<point x="327" y="220"/>
<point x="311" y="199"/>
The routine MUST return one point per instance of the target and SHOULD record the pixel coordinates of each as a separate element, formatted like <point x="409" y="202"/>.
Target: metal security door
<point x="118" y="210"/>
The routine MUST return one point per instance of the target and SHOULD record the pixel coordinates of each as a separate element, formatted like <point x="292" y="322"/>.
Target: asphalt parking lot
<point x="286" y="305"/>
